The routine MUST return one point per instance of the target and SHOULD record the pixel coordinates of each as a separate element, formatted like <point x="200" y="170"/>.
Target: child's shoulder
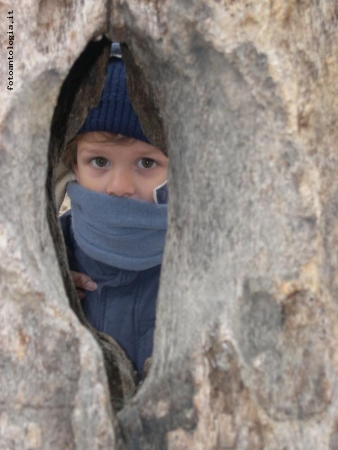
<point x="66" y="218"/>
<point x="66" y="222"/>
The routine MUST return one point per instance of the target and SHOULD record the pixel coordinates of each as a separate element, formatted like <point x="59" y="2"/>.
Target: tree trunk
<point x="245" y="347"/>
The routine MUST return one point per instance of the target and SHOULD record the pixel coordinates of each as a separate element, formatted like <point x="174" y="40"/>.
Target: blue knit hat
<point x="114" y="113"/>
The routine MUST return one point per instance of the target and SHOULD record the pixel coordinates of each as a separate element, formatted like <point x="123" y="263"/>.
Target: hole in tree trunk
<point x="81" y="91"/>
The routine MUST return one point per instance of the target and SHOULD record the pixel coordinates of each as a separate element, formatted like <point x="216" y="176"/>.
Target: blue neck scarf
<point x="124" y="233"/>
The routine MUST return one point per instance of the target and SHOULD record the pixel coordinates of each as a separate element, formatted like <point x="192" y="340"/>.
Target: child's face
<point x="132" y="169"/>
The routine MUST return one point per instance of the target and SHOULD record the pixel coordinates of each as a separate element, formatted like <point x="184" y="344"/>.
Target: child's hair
<point x="70" y="154"/>
<point x="114" y="117"/>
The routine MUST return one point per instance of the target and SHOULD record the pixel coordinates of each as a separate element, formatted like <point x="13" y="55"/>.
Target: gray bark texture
<point x="245" y="351"/>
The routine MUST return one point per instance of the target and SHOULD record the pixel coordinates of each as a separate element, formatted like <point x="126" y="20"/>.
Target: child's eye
<point x="146" y="163"/>
<point x="99" y="162"/>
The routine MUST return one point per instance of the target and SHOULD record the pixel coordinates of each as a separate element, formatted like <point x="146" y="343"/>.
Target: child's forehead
<point x="103" y="140"/>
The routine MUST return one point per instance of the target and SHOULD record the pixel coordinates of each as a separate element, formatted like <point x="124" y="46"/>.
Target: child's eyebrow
<point x="149" y="151"/>
<point x="95" y="147"/>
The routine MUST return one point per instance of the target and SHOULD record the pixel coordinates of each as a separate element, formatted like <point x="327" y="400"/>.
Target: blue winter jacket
<point x="124" y="304"/>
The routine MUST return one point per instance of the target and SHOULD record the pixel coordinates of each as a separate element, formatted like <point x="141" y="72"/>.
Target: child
<point x="115" y="230"/>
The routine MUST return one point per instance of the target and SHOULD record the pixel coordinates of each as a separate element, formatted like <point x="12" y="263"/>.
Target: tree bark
<point x="245" y="347"/>
<point x="54" y="392"/>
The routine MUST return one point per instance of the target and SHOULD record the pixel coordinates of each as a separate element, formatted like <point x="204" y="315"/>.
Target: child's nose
<point x="121" y="184"/>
